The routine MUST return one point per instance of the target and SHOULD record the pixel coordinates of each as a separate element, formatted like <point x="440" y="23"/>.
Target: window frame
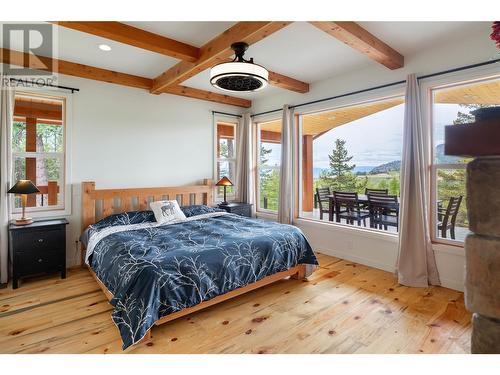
<point x="428" y="87"/>
<point x="258" y="208"/>
<point x="64" y="208"/>
<point x="351" y="101"/>
<point x="235" y="123"/>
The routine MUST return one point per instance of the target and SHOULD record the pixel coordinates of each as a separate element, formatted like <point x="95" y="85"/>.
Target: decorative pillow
<point x="199" y="209"/>
<point x="166" y="211"/>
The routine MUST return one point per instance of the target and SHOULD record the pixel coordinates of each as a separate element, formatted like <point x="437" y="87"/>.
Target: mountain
<point x="358" y="169"/>
<point x="442" y="158"/>
<point x="387" y="167"/>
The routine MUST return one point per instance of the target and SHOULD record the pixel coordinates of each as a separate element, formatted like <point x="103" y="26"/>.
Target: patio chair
<point x="448" y="216"/>
<point x="323" y="201"/>
<point x="347" y="207"/>
<point x="383" y="211"/>
<point x="369" y="191"/>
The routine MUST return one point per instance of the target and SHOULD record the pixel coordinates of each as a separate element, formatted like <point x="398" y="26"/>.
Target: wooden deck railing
<point x="51" y="190"/>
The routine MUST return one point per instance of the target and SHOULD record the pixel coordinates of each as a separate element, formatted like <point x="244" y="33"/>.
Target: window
<point x="268" y="165"/>
<point x="38" y="150"/>
<point x="454" y="104"/>
<point x="226" y="156"/>
<point x="351" y="149"/>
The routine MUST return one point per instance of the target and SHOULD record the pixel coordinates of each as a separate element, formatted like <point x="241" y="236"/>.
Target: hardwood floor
<point x="343" y="308"/>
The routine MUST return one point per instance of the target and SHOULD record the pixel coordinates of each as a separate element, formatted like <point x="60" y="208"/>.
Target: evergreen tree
<point x="339" y="159"/>
<point x="339" y="176"/>
<point x="269" y="182"/>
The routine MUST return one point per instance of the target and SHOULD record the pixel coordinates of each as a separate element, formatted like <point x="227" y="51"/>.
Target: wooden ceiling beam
<point x="191" y="92"/>
<point x="288" y="83"/>
<point x="216" y="51"/>
<point x="74" y="69"/>
<point x="120" y="32"/>
<point x="361" y="40"/>
<point x="98" y="74"/>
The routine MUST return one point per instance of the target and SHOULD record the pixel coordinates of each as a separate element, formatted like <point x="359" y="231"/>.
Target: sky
<point x="372" y="140"/>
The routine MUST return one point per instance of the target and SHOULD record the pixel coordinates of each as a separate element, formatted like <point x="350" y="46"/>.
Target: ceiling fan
<point x="239" y="75"/>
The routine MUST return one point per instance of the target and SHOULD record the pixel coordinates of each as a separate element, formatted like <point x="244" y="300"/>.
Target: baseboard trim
<point x="358" y="259"/>
<point x="452" y="284"/>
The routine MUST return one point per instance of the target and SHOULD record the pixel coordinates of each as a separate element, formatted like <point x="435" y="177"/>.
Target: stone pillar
<point x="482" y="246"/>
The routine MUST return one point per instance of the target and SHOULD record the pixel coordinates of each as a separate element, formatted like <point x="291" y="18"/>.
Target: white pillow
<point x="167" y="211"/>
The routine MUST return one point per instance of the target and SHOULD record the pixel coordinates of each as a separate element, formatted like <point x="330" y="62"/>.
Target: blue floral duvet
<point x="154" y="270"/>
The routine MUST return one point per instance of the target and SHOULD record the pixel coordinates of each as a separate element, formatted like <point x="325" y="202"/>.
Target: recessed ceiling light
<point x="104" y="47"/>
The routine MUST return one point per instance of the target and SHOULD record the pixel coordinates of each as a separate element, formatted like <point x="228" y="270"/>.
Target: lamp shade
<point x="23" y="187"/>
<point x="224" y="181"/>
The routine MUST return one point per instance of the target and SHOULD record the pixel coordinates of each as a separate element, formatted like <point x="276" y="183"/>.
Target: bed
<point x="153" y="273"/>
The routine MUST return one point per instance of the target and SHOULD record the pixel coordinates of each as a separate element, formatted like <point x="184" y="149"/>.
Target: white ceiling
<point x="190" y="32"/>
<point x="299" y="50"/>
<point x="410" y="37"/>
<point x="304" y="52"/>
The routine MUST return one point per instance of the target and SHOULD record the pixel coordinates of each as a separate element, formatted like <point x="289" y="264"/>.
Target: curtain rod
<point x="381" y="86"/>
<point x="225" y="113"/>
<point x="72" y="89"/>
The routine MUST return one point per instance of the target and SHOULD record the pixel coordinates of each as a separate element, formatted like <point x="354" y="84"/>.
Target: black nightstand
<point x="238" y="208"/>
<point x="36" y="248"/>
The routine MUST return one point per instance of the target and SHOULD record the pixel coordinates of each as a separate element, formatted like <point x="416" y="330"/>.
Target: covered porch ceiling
<point x="321" y="122"/>
<point x="476" y="93"/>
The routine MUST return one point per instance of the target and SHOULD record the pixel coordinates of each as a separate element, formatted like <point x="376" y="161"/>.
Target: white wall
<point x="378" y="249"/>
<point x="125" y="137"/>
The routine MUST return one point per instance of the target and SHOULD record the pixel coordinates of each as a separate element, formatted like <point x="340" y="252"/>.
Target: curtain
<point x="6" y="115"/>
<point x="244" y="165"/>
<point x="285" y="207"/>
<point x="416" y="264"/>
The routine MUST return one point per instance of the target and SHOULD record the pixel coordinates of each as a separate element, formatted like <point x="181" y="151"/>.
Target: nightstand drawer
<point x="237" y="208"/>
<point x="32" y="262"/>
<point x="39" y="247"/>
<point x="47" y="240"/>
<point x="243" y="211"/>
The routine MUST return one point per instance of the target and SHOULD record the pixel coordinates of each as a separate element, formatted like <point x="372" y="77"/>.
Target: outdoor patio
<point x="460" y="232"/>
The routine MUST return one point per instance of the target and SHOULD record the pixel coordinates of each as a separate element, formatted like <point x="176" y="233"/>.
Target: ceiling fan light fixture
<point x="239" y="75"/>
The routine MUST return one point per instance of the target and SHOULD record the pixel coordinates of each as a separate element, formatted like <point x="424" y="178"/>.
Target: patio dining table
<point x="362" y="198"/>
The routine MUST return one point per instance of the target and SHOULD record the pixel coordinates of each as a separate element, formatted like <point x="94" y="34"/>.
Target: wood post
<point x="209" y="200"/>
<point x="307" y="173"/>
<point x="31" y="162"/>
<point x="301" y="273"/>
<point x="88" y="210"/>
<point x="52" y="193"/>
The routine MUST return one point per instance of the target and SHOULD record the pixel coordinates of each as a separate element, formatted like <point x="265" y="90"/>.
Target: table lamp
<point x="23" y="188"/>
<point x="224" y="181"/>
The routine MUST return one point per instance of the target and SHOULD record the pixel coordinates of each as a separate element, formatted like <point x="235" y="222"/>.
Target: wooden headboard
<point x="97" y="204"/>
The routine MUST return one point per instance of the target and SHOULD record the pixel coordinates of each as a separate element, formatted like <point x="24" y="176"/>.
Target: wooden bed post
<point x="88" y="209"/>
<point x="210" y="194"/>
<point x="301" y="272"/>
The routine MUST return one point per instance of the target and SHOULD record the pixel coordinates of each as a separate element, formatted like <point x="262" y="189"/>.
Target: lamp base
<point x="223" y="203"/>
<point x="23" y="221"/>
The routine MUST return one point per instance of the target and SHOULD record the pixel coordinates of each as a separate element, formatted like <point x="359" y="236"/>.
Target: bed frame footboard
<point x="297" y="273"/>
